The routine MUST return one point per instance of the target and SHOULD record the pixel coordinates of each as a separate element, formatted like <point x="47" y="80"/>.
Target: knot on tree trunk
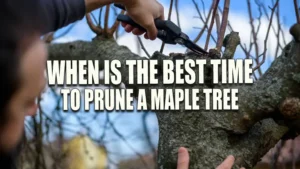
<point x="290" y="108"/>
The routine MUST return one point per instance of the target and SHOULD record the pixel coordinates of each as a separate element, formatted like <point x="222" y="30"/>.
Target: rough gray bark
<point x="211" y="136"/>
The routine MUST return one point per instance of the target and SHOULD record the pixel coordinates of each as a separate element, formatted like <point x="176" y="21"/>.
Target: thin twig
<point x="223" y="25"/>
<point x="106" y="18"/>
<point x="283" y="38"/>
<point x="139" y="47"/>
<point x="127" y="143"/>
<point x="297" y="11"/>
<point x="205" y="23"/>
<point x="254" y="35"/>
<point x="99" y="17"/>
<point x="273" y="28"/>
<point x="169" y="18"/>
<point x="278" y="31"/>
<point x="215" y="8"/>
<point x="170" y="10"/>
<point x="94" y="18"/>
<point x="143" y="47"/>
<point x="115" y="25"/>
<point x="203" y="8"/>
<point x="266" y="39"/>
<point x="218" y="22"/>
<point x="259" y="20"/>
<point x="148" y="137"/>
<point x="177" y="13"/>
<point x="94" y="28"/>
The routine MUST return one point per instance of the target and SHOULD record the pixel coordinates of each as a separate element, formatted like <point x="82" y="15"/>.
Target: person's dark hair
<point x="19" y="20"/>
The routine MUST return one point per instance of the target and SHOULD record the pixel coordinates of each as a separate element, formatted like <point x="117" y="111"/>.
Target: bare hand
<point x="143" y="12"/>
<point x="183" y="160"/>
<point x="227" y="163"/>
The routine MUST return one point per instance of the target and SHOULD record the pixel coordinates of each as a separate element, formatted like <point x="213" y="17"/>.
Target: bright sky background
<point x="130" y="123"/>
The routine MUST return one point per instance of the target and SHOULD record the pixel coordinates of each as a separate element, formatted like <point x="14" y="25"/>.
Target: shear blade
<point x="194" y="47"/>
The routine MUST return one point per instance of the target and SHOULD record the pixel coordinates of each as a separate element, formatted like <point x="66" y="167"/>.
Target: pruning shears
<point x="168" y="32"/>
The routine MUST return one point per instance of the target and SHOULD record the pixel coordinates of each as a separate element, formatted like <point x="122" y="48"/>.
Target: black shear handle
<point x="128" y="20"/>
<point x="160" y="24"/>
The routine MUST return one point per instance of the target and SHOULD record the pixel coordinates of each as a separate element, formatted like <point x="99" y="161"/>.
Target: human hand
<point x="183" y="160"/>
<point x="143" y="12"/>
<point x="227" y="163"/>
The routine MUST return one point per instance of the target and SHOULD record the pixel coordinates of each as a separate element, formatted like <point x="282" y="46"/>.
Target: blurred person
<point x="23" y="55"/>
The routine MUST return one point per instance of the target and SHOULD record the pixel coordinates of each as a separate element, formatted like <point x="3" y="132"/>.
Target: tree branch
<point x="266" y="39"/>
<point x="97" y="30"/>
<point x="115" y="25"/>
<point x="106" y="18"/>
<point x="215" y="8"/>
<point x="205" y="23"/>
<point x="297" y="11"/>
<point x="223" y="25"/>
<point x="254" y="36"/>
<point x="169" y="18"/>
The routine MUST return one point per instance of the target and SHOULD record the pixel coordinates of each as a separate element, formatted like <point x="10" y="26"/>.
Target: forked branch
<point x="106" y="31"/>
<point x="266" y="39"/>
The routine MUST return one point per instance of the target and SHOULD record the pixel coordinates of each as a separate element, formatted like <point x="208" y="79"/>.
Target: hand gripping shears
<point x="168" y="32"/>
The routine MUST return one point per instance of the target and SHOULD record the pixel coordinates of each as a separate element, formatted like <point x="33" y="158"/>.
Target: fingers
<point x="123" y="24"/>
<point x="128" y="28"/>
<point x="227" y="164"/>
<point x="137" y="31"/>
<point x="183" y="158"/>
<point x="144" y="13"/>
<point x="150" y="34"/>
<point x="146" y="36"/>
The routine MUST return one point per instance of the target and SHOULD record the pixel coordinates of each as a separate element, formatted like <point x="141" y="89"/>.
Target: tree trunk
<point x="210" y="136"/>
